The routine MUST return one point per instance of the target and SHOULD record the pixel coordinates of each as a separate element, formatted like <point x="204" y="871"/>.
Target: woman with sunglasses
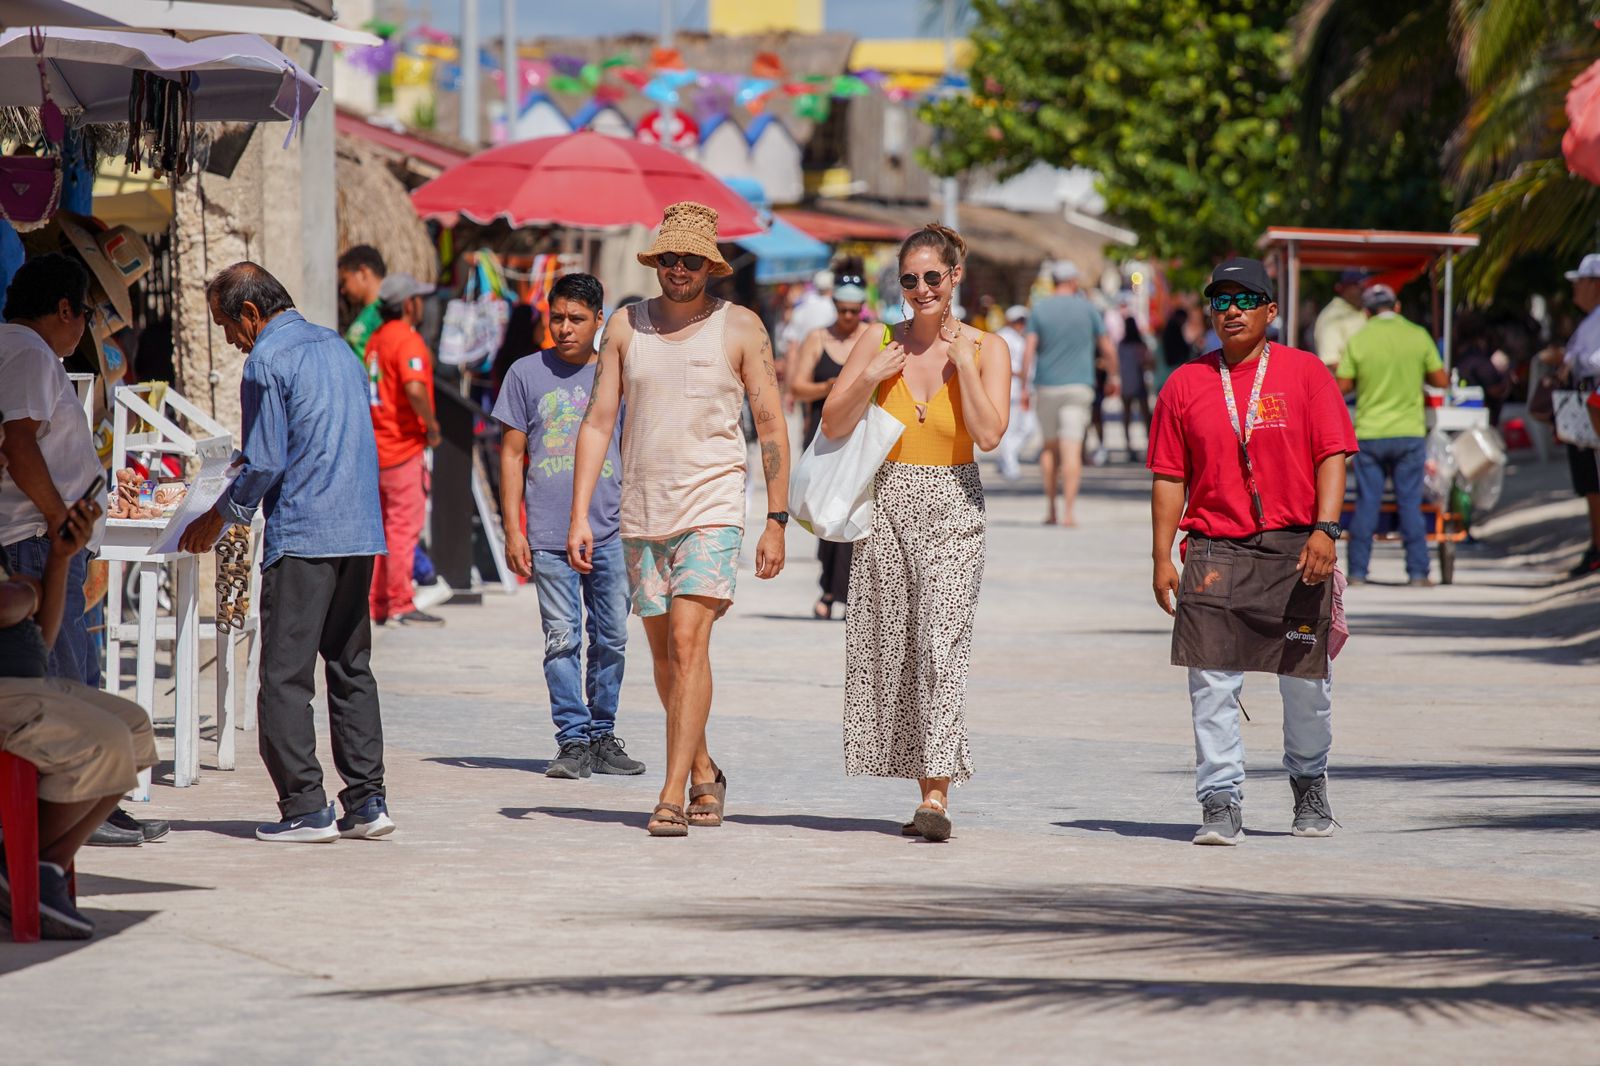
<point x="914" y="581"/>
<point x="821" y="357"/>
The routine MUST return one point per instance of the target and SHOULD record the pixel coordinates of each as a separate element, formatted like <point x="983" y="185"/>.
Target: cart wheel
<point x="1447" y="562"/>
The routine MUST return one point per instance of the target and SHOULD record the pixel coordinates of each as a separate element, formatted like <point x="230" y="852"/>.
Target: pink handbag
<point x="30" y="190"/>
<point x="30" y="186"/>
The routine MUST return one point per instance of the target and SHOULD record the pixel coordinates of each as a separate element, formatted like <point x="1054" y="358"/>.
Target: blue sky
<point x="864" y="18"/>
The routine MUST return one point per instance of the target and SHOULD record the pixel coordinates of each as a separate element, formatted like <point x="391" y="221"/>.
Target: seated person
<point x="88" y="745"/>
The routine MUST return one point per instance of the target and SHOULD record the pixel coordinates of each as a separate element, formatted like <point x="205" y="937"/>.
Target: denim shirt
<point x="310" y="461"/>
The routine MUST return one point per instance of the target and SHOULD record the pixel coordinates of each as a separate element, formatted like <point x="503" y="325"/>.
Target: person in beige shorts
<point x="88" y="746"/>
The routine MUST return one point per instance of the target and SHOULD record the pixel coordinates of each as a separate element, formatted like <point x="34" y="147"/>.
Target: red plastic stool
<point x="19" y="818"/>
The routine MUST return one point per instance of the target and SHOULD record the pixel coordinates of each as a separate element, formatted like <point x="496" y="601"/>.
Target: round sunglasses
<point x="1244" y="301"/>
<point x="934" y="278"/>
<point x="690" y="263"/>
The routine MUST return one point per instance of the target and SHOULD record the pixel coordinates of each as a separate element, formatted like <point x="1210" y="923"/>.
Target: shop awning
<point x="783" y="253"/>
<point x="835" y="228"/>
<point x="414" y="149"/>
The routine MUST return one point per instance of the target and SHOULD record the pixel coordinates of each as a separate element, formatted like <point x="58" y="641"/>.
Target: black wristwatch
<point x="780" y="517"/>
<point x="1333" y="529"/>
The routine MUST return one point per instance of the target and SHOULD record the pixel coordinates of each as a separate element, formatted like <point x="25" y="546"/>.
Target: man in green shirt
<point x="361" y="272"/>
<point x="1386" y="364"/>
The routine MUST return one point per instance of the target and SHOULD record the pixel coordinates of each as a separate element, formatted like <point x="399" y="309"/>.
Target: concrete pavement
<point x="516" y="919"/>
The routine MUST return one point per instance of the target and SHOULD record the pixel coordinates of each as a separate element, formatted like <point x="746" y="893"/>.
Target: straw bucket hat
<point x="688" y="228"/>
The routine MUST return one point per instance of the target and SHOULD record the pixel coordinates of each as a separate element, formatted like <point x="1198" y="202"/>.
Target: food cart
<point x="1393" y="258"/>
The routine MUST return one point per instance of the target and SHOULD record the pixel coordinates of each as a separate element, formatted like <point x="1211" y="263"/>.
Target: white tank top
<point x="683" y="452"/>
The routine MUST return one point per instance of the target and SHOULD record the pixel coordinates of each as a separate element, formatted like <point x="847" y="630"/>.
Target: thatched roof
<point x="374" y="208"/>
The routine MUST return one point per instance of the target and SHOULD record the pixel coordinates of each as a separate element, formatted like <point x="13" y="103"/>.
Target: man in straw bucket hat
<point x="685" y="362"/>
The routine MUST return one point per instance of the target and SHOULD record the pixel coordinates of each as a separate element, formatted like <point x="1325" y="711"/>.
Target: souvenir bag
<point x="831" y="491"/>
<point x="30" y="186"/>
<point x="475" y="324"/>
<point x="1572" y="418"/>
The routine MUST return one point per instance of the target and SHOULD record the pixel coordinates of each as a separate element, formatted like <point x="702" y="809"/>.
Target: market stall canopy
<point x="1395" y="257"/>
<point x="194" y="19"/>
<point x="585" y="180"/>
<point x="239" y="78"/>
<point x="15" y="13"/>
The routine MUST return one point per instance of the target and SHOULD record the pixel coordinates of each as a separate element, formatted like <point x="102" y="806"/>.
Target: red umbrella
<point x="581" y="179"/>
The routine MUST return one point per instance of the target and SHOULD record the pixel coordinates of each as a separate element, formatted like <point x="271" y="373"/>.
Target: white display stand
<point x="132" y="542"/>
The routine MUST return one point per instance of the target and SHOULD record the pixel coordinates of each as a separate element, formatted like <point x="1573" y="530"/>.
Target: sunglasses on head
<point x="690" y="263"/>
<point x="850" y="279"/>
<point x="1244" y="301"/>
<point x="934" y="278"/>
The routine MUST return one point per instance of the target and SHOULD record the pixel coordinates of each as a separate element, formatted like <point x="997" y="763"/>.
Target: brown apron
<point x="1242" y="606"/>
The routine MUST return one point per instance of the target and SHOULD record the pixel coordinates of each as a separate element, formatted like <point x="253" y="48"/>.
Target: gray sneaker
<point x="1313" y="815"/>
<point x="1222" y="822"/>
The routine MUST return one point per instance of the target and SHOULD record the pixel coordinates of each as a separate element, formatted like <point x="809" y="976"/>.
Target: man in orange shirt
<point x="400" y="369"/>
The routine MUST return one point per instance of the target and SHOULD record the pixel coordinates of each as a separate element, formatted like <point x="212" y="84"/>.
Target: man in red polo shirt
<point x="1248" y="455"/>
<point x="400" y="369"/>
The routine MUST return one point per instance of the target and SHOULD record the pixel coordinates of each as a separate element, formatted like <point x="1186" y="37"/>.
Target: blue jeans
<point x="1219" y="747"/>
<point x="74" y="657"/>
<point x="1381" y="459"/>
<point x="583" y="702"/>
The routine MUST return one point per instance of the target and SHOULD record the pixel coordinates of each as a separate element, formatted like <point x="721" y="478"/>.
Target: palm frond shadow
<point x="1416" y="957"/>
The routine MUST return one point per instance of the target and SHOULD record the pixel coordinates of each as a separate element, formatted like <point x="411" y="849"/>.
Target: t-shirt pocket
<point x="700" y="376"/>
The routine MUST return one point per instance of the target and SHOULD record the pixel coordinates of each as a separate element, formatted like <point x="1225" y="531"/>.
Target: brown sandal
<point x="717" y="790"/>
<point x="673" y="825"/>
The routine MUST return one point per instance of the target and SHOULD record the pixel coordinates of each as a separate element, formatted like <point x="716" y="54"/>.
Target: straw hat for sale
<point x="688" y="228"/>
<point x="117" y="256"/>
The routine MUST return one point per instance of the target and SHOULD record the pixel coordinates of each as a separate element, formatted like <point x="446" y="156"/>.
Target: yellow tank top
<point x="940" y="438"/>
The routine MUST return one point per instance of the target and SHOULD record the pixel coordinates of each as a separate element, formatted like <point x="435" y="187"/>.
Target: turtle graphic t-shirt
<point x="546" y="397"/>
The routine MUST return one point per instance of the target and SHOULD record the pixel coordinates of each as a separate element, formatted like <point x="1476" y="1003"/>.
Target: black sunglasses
<point x="850" y="279"/>
<point x="1244" y="301"/>
<point x="934" y="278"/>
<point x="690" y="263"/>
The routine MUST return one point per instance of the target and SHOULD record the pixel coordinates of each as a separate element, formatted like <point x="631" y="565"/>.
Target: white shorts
<point x="1064" y="411"/>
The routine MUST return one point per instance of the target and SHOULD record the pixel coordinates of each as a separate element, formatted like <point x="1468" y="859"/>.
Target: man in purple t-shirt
<point x="541" y="404"/>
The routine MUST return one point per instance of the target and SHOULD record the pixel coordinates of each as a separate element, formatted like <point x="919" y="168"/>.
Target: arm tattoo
<point x="594" y="389"/>
<point x="764" y="416"/>
<point x="770" y="460"/>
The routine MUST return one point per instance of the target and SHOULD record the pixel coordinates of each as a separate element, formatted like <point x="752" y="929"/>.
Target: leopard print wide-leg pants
<point x="913" y="593"/>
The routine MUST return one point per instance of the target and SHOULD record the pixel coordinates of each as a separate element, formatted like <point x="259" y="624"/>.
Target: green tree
<point x="1185" y="109"/>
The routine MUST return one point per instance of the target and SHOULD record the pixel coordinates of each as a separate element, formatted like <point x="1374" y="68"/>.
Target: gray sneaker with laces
<point x="1313" y="815"/>
<point x="1222" y="821"/>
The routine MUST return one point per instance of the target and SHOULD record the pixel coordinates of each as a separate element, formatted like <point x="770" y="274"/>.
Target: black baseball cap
<point x="1250" y="273"/>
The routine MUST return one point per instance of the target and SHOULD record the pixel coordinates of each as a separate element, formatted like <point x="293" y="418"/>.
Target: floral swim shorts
<point x="699" y="562"/>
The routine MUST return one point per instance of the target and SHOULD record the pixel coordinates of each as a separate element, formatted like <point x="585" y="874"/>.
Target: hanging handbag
<point x="1572" y="422"/>
<point x="475" y="324"/>
<point x="831" y="492"/>
<point x="30" y="186"/>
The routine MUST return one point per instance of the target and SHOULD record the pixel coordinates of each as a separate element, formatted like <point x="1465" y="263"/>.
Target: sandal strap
<point x="710" y="788"/>
<point x="675" y="810"/>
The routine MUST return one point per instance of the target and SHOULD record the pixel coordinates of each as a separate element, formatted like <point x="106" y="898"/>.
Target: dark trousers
<point x="835" y="580"/>
<point x="312" y="607"/>
<point x="1402" y="460"/>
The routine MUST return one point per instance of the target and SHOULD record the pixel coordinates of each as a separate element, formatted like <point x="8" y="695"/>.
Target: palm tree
<point x="1494" y="73"/>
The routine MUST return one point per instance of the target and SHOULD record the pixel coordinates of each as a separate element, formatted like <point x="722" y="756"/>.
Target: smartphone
<point x="90" y="493"/>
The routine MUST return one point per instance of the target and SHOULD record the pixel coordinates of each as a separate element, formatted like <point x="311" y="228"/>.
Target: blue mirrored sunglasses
<point x="1244" y="301"/>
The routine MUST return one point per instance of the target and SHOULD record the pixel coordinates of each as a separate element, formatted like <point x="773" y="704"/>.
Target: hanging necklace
<point x="709" y="309"/>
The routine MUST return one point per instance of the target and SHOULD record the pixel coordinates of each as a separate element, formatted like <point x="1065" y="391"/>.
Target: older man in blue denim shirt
<point x="311" y="464"/>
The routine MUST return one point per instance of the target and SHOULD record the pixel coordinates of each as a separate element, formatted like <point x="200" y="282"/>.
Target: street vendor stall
<point x="1396" y="258"/>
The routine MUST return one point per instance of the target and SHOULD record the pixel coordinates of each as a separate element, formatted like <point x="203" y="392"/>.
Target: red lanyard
<point x="1247" y="430"/>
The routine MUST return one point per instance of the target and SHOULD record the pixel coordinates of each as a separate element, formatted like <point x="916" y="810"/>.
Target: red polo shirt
<point x="396" y="356"/>
<point x="1301" y="420"/>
